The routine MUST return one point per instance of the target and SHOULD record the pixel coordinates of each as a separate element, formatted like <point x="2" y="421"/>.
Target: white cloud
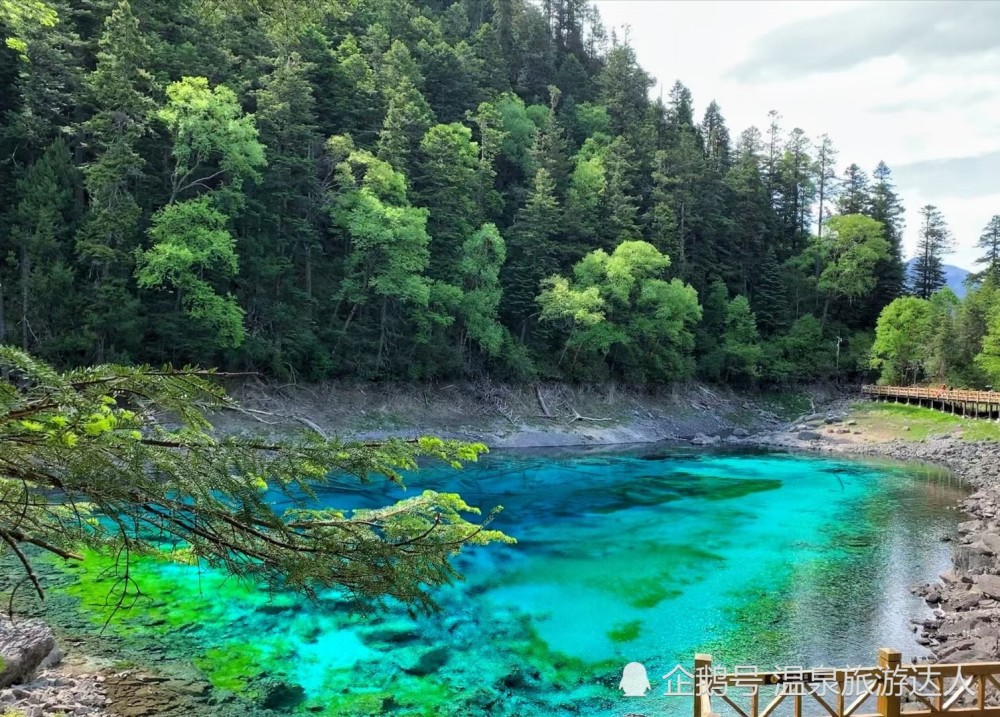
<point x="907" y="83"/>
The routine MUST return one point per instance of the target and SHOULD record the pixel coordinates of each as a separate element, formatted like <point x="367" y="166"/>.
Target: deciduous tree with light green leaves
<point x="619" y="308"/>
<point x="988" y="358"/>
<point x="384" y="270"/>
<point x="215" y="150"/>
<point x="849" y="255"/>
<point x="192" y="246"/>
<point x="901" y="339"/>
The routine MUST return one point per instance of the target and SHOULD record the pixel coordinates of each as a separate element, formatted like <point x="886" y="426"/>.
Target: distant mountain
<point x="954" y="276"/>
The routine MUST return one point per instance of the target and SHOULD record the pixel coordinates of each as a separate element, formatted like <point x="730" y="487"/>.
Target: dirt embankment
<point x="513" y="416"/>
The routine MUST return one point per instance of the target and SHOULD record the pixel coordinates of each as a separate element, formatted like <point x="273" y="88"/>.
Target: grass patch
<point x="915" y="423"/>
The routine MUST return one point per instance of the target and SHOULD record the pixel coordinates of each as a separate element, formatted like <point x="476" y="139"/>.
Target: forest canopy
<point x="417" y="190"/>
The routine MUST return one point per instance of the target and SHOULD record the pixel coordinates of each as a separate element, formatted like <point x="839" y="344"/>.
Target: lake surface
<point x="648" y="555"/>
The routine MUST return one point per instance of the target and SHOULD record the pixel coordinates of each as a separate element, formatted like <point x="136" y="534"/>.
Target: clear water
<point x="650" y="555"/>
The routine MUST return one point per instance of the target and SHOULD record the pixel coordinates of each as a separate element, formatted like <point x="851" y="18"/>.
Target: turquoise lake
<point x="647" y="555"/>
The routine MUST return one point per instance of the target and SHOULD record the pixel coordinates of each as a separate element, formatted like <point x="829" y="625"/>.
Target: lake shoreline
<point x="966" y="601"/>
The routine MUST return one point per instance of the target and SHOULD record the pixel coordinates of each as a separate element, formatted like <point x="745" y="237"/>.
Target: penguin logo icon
<point x="634" y="681"/>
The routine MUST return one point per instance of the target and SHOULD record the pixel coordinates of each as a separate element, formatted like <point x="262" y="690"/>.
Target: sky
<point x="916" y="84"/>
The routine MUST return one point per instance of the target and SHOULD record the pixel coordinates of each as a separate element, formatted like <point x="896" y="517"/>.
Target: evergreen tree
<point x="826" y="177"/>
<point x="854" y="193"/>
<point x="624" y="88"/>
<point x="549" y="151"/>
<point x="43" y="220"/>
<point x="753" y="218"/>
<point x="934" y="241"/>
<point x="470" y="139"/>
<point x="446" y="183"/>
<point x="886" y="207"/>
<point x="741" y="343"/>
<point x="91" y="465"/>
<point x="989" y="242"/>
<point x="716" y="138"/>
<point x="769" y="303"/>
<point x="797" y="191"/>
<point x="280" y="237"/>
<point x="483" y="254"/>
<point x="121" y="87"/>
<point x="532" y="253"/>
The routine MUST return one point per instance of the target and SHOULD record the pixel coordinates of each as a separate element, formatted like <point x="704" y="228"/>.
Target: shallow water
<point x="650" y="555"/>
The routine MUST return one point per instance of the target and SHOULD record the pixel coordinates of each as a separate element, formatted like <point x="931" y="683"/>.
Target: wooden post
<point x="702" y="666"/>
<point x="888" y="703"/>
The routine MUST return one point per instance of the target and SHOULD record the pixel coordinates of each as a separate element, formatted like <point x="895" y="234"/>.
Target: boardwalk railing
<point x="976" y="404"/>
<point x="887" y="690"/>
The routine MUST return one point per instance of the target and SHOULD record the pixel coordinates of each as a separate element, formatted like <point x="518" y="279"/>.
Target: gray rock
<point x="741" y="433"/>
<point x="24" y="647"/>
<point x="988" y="584"/>
<point x="965" y="601"/>
<point x="809" y="436"/>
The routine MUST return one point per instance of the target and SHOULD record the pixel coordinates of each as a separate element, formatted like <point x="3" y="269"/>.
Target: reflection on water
<point x="648" y="556"/>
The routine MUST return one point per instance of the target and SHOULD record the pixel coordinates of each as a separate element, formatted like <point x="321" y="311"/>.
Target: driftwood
<point x="256" y="415"/>
<point x="577" y="417"/>
<point x="541" y="402"/>
<point x="492" y="395"/>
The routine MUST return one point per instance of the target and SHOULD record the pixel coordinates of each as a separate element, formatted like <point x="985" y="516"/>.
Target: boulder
<point x="24" y="647"/>
<point x="991" y="541"/>
<point x="809" y="436"/>
<point x="989" y="585"/>
<point x="741" y="433"/>
<point x="965" y="601"/>
<point x="702" y="440"/>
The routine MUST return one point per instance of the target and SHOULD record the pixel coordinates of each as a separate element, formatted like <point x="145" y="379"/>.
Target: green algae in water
<point x="627" y="632"/>
<point x="760" y="559"/>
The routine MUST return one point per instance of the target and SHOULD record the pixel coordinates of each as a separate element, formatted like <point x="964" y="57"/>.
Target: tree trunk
<point x="309" y="282"/>
<point x="381" y="336"/>
<point x="826" y="310"/>
<point x="25" y="273"/>
<point x="3" y="316"/>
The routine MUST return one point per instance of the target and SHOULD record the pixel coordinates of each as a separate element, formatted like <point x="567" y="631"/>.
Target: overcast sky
<point x="916" y="84"/>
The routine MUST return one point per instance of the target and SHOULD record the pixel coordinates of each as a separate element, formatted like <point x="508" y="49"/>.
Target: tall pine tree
<point x="935" y="241"/>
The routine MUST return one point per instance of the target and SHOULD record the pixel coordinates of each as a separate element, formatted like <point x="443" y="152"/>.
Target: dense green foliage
<point x="415" y="189"/>
<point x="89" y="463"/>
<point x="943" y="339"/>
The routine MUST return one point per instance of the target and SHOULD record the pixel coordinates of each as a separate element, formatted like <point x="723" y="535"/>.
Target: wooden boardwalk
<point x="974" y="404"/>
<point x="889" y="689"/>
